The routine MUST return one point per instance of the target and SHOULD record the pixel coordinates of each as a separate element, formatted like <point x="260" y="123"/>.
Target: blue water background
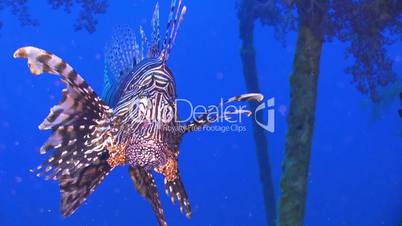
<point x="356" y="164"/>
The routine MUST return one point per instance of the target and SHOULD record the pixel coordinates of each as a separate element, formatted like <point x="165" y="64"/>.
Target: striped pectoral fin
<point x="82" y="131"/>
<point x="145" y="185"/>
<point x="81" y="122"/>
<point x="79" y="101"/>
<point x="211" y="116"/>
<point x="40" y="61"/>
<point x="75" y="188"/>
<point x="175" y="190"/>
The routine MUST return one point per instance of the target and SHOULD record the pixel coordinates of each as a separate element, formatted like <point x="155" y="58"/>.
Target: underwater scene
<point x="208" y="113"/>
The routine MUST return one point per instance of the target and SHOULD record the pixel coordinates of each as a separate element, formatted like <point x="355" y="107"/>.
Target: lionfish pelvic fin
<point x="145" y="185"/>
<point x="175" y="190"/>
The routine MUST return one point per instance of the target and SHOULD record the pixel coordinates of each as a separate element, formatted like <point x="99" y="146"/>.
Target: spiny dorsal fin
<point x="144" y="42"/>
<point x="121" y="56"/>
<point x="154" y="50"/>
<point x="175" y="20"/>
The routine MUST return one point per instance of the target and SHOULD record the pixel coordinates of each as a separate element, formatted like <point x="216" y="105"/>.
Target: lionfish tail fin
<point x="211" y="115"/>
<point x="176" y="17"/>
<point x="80" y="122"/>
<point x="145" y="185"/>
<point x="75" y="188"/>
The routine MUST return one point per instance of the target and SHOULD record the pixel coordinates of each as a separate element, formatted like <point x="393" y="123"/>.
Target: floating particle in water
<point x="348" y="139"/>
<point x="5" y="124"/>
<point x="283" y="109"/>
<point x="98" y="56"/>
<point x="57" y="83"/>
<point x="37" y="186"/>
<point x="398" y="59"/>
<point x="144" y="20"/>
<point x="116" y="190"/>
<point x="18" y="180"/>
<point x="341" y="84"/>
<point x="235" y="146"/>
<point x="220" y="76"/>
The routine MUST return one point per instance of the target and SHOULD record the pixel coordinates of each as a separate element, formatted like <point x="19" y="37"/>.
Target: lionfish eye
<point x="104" y="156"/>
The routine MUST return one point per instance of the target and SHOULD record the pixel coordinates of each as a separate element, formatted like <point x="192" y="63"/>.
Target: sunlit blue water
<point x="356" y="168"/>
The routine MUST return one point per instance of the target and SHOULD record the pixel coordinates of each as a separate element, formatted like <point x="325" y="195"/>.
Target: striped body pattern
<point x="146" y="107"/>
<point x="133" y="123"/>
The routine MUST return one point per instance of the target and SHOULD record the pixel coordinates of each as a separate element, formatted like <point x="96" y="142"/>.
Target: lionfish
<point x="90" y="135"/>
